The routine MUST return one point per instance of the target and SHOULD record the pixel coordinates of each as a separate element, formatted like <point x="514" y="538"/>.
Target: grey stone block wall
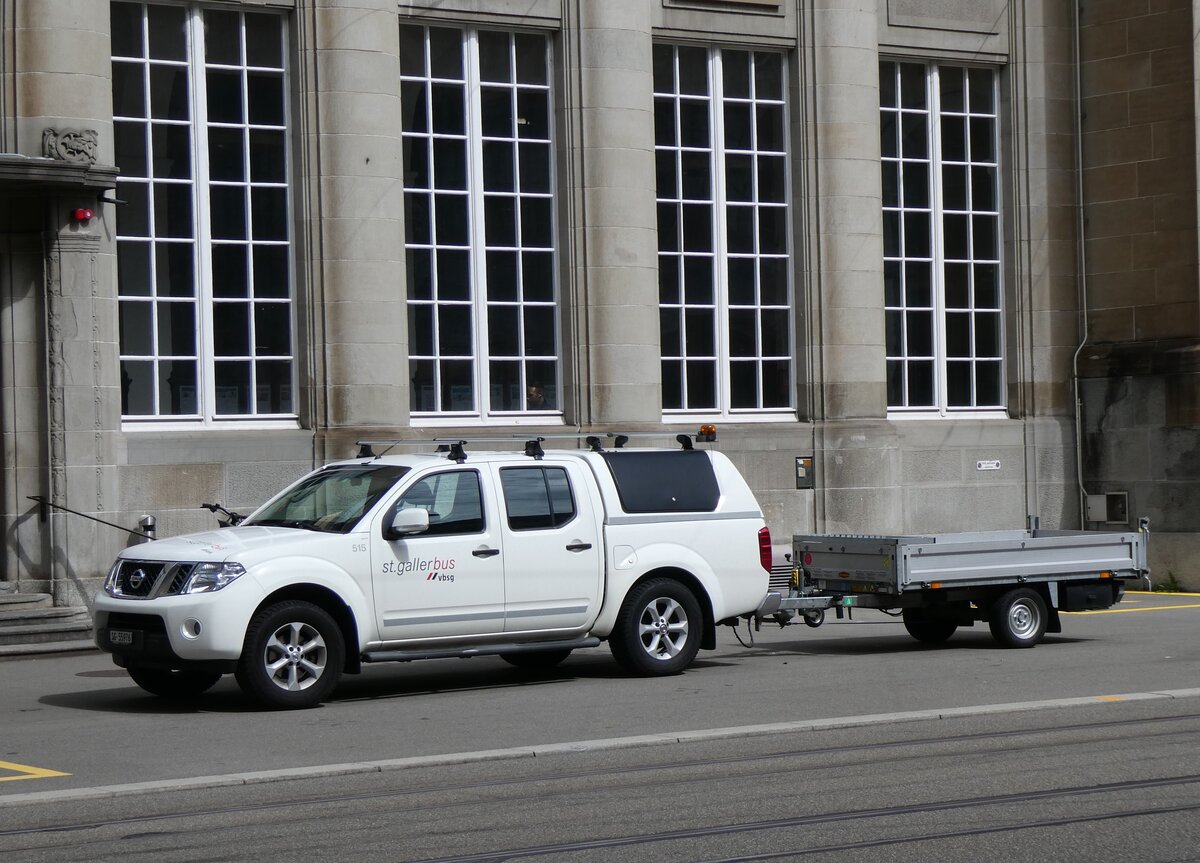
<point x="873" y="473"/>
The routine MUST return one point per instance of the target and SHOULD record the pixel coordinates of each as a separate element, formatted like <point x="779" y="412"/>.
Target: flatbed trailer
<point x="1018" y="580"/>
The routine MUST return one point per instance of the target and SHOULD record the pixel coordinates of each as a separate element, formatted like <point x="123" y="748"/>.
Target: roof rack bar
<point x="455" y="447"/>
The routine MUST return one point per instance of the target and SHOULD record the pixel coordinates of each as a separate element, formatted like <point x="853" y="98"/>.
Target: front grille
<point x="146" y="579"/>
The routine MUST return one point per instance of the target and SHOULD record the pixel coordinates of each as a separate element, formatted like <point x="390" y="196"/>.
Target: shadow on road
<point x="376" y="683"/>
<point x="395" y="681"/>
<point x="874" y="645"/>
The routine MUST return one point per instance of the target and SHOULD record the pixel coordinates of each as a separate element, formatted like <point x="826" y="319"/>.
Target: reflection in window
<point x="452" y="500"/>
<point x="941" y="219"/>
<point x="479" y="217"/>
<point x="204" y="281"/>
<point x="720" y="125"/>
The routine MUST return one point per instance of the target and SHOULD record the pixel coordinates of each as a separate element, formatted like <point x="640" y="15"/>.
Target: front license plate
<point x="120" y="636"/>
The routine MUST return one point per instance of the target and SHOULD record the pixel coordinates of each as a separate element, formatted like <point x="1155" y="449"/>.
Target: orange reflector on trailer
<point x="935" y="584"/>
<point x="1106" y="574"/>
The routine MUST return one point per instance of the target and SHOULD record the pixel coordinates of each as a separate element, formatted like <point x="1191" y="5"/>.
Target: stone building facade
<point x="874" y="242"/>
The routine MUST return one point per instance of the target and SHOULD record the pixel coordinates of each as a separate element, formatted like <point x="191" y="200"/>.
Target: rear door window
<point x="537" y="498"/>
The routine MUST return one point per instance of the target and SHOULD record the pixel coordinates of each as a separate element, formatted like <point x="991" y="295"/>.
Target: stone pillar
<point x="615" y="277"/>
<point x="858" y="454"/>
<point x="22" y="403"/>
<point x="352" y="149"/>
<point x="849" y="211"/>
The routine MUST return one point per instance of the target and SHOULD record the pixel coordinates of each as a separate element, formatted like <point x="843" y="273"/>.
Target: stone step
<point x="25" y="651"/>
<point x="25" y="600"/>
<point x="10" y="616"/>
<point x="44" y="633"/>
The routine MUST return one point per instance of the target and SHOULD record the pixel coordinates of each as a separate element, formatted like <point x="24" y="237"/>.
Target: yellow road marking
<point x="1130" y="610"/>
<point x="1160" y="593"/>
<point x="24" y="771"/>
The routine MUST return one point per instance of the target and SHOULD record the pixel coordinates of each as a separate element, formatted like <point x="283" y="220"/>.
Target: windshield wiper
<point x="299" y="524"/>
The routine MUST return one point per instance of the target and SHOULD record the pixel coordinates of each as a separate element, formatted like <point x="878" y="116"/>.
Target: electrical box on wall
<point x="804" y="471"/>
<point x="1110" y="508"/>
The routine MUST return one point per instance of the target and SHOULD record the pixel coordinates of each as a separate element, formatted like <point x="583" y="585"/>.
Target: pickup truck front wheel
<point x="292" y="657"/>
<point x="658" y="629"/>
<point x="1018" y="618"/>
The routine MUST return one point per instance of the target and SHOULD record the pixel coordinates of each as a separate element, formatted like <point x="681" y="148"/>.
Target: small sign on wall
<point x="988" y="464"/>
<point x="804" y="471"/>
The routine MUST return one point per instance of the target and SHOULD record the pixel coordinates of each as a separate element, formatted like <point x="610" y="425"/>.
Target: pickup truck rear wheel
<point x="658" y="629"/>
<point x="1018" y="618"/>
<point x="172" y="683"/>
<point x="536" y="661"/>
<point x="930" y="630"/>
<point x="292" y="657"/>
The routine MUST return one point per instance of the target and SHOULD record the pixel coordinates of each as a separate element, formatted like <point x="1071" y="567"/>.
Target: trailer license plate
<point x="120" y="636"/>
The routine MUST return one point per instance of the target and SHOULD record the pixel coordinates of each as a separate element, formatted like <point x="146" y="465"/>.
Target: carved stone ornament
<point x="77" y="146"/>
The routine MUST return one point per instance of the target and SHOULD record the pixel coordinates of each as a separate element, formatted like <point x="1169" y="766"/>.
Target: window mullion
<point x="937" y="247"/>
<point x="720" y="241"/>
<point x="475" y="208"/>
<point x="200" y="201"/>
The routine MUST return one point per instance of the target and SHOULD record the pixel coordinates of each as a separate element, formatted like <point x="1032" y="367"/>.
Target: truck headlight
<point x="207" y="577"/>
<point x="110" y="583"/>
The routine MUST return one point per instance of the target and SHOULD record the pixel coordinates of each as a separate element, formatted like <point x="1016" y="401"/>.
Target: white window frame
<point x="198" y="124"/>
<point x="477" y="245"/>
<point x="933" y="112"/>
<point x="719" y="200"/>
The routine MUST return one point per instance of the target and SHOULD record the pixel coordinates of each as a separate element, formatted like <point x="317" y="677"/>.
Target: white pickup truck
<point x="419" y="556"/>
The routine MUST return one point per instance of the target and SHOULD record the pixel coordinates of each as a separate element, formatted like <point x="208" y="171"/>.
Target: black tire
<point x="292" y="656"/>
<point x="1018" y="618"/>
<point x="542" y="660"/>
<point x="927" y="629"/>
<point x="178" y="685"/>
<point x="814" y="618"/>
<point x="658" y="629"/>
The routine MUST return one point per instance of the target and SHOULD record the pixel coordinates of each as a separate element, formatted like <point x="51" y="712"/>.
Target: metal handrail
<point x="44" y="502"/>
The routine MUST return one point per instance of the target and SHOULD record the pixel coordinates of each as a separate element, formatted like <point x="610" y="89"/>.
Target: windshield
<point x="332" y="500"/>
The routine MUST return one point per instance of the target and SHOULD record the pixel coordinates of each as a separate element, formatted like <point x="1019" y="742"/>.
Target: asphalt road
<point x="1082" y="748"/>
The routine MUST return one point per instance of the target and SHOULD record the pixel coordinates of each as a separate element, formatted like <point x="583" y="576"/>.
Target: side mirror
<point x="407" y="522"/>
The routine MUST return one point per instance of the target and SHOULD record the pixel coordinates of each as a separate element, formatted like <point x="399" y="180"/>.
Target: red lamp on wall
<point x="82" y="215"/>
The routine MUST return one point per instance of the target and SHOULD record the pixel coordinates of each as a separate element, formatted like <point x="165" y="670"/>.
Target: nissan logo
<point x="136" y="579"/>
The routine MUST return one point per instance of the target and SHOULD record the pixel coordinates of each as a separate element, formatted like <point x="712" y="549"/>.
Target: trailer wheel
<point x="814" y="618"/>
<point x="1018" y="618"/>
<point x="292" y="656"/>
<point x="927" y="629"/>
<point x="658" y="629"/>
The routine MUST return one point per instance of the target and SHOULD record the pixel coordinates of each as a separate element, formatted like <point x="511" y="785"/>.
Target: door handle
<point x="484" y="551"/>
<point x="579" y="546"/>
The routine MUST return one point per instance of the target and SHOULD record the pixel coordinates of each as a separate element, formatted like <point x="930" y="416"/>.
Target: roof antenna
<point x="457" y="453"/>
<point x="533" y="448"/>
<point x="365" y="451"/>
<point x="684" y="441"/>
<point x="593" y="442"/>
